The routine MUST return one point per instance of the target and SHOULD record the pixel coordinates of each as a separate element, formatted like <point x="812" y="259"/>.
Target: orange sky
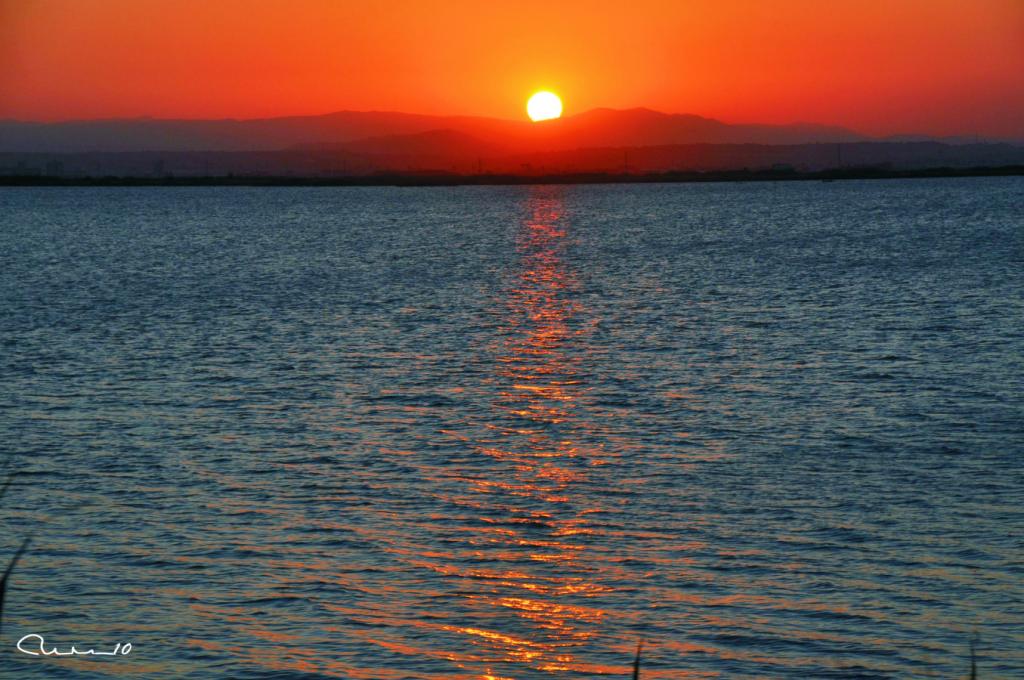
<point x="880" y="66"/>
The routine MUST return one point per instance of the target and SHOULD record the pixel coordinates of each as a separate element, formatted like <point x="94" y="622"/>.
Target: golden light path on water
<point x="538" y="388"/>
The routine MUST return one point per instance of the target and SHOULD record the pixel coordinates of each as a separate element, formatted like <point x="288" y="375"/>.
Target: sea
<point x="765" y="429"/>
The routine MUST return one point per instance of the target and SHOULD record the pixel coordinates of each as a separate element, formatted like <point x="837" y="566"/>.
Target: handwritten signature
<point x="119" y="649"/>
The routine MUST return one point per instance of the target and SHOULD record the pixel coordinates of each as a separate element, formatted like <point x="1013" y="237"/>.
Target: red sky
<point x="879" y="66"/>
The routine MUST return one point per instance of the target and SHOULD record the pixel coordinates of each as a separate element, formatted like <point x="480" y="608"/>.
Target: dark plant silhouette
<point x="7" y="574"/>
<point x="14" y="560"/>
<point x="974" y="663"/>
<point x="636" y="661"/>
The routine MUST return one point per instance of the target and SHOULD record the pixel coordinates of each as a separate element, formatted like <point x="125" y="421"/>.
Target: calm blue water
<point x="773" y="430"/>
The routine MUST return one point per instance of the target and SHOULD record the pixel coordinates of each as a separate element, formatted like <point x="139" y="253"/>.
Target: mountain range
<point x="373" y="141"/>
<point x="393" y="132"/>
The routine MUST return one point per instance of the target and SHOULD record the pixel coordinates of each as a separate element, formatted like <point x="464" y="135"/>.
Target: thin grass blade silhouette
<point x="7" y="575"/>
<point x="636" y="661"/>
<point x="974" y="663"/>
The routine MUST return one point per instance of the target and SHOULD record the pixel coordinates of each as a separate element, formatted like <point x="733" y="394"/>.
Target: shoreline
<point x="446" y="179"/>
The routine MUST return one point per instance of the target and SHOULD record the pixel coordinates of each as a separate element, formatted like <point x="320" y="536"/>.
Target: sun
<point x="544" y="105"/>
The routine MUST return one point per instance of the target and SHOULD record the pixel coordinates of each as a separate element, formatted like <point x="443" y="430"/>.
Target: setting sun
<point x="544" y="106"/>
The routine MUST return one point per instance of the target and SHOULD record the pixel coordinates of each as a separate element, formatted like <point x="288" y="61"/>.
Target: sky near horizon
<point x="878" y="66"/>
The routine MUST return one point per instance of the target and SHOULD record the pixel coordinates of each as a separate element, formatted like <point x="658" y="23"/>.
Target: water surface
<point x="773" y="430"/>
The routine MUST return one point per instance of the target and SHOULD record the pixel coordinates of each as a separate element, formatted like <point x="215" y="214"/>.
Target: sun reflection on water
<point x="536" y="420"/>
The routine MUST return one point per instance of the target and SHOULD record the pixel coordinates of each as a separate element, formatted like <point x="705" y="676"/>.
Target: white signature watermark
<point x="39" y="648"/>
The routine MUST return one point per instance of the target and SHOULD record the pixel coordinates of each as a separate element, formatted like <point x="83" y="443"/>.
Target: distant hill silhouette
<point x="354" y="143"/>
<point x="644" y="127"/>
<point x="267" y="134"/>
<point x="599" y="127"/>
